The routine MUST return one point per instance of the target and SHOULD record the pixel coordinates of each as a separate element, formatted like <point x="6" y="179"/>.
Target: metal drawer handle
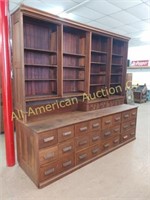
<point x="126" y="126"/>
<point x="107" y="133"/>
<point x="96" y="125"/>
<point x="95" y="150"/>
<point x="49" y="155"/>
<point x="108" y="122"/>
<point x="82" y="156"/>
<point x="116" y="141"/>
<point x="106" y="145"/>
<point x="95" y="138"/>
<point x="116" y="130"/>
<point x="83" y="128"/>
<point x="50" y="171"/>
<point x="134" y="113"/>
<point x="82" y="142"/>
<point x="117" y="118"/>
<point x="132" y="123"/>
<point x="132" y="133"/>
<point x="67" y="149"/>
<point x="49" y="139"/>
<point x="126" y="116"/>
<point x="66" y="164"/>
<point x="125" y="137"/>
<point x="67" y="133"/>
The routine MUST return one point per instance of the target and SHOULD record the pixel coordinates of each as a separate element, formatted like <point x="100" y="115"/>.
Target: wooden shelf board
<point x="119" y="65"/>
<point x="98" y="52"/>
<point x="75" y="67"/>
<point x="40" y="79"/>
<point x="40" y="50"/>
<point x="98" y="63"/>
<point x="40" y="97"/>
<point x="116" y="74"/>
<point x="117" y="55"/>
<point x="73" y="54"/>
<point x="98" y="74"/>
<point x="41" y="65"/>
<point x="92" y="85"/>
<point x="73" y="80"/>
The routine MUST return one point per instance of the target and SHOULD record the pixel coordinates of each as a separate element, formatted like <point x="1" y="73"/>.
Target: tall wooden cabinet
<point x="62" y="69"/>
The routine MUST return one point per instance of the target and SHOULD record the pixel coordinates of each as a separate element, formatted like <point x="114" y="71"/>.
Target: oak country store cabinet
<point x="56" y="63"/>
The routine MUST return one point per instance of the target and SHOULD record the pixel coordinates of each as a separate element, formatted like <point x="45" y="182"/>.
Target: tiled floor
<point x="121" y="175"/>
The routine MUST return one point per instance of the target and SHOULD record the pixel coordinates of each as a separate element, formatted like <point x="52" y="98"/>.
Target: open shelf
<point x="40" y="50"/>
<point x="40" y="65"/>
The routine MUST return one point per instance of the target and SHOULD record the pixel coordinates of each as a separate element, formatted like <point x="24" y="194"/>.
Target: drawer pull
<point x="132" y="133"/>
<point x="106" y="145"/>
<point x="108" y="122"/>
<point x="82" y="142"/>
<point x="83" y="128"/>
<point x="107" y="133"/>
<point x="117" y="118"/>
<point x="126" y="116"/>
<point x="49" y="139"/>
<point x="66" y="164"/>
<point x="95" y="138"/>
<point x="67" y="133"/>
<point x="134" y="113"/>
<point x="50" y="171"/>
<point x="116" y="141"/>
<point x="67" y="149"/>
<point x="132" y="123"/>
<point x="96" y="125"/>
<point x="49" y="155"/>
<point x="116" y="130"/>
<point x="125" y="137"/>
<point x="95" y="151"/>
<point x="126" y="126"/>
<point x="83" y="156"/>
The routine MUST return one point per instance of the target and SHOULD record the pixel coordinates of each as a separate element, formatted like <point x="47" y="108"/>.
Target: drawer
<point x="133" y="123"/>
<point x="133" y="113"/>
<point x="94" y="137"/>
<point x="115" y="141"/>
<point x="107" y="133"/>
<point x="47" y="139"/>
<point x="66" y="148"/>
<point x="48" y="155"/>
<point x="82" y="156"/>
<point x="116" y="119"/>
<point x="81" y="129"/>
<point x="125" y="127"/>
<point x="116" y="130"/>
<point x="95" y="150"/>
<point x="66" y="163"/>
<point x="95" y="124"/>
<point x="65" y="133"/>
<point x="49" y="171"/>
<point x="106" y="145"/>
<point x="126" y="116"/>
<point x="126" y="136"/>
<point x="82" y="142"/>
<point x="106" y="122"/>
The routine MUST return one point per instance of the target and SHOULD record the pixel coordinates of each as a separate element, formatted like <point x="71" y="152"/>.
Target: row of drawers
<point x="53" y="137"/>
<point x="67" y="162"/>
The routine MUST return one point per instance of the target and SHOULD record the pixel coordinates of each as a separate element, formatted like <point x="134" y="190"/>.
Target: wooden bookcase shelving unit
<point x="56" y="62"/>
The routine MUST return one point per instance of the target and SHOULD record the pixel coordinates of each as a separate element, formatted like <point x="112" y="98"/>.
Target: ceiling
<point x="126" y="17"/>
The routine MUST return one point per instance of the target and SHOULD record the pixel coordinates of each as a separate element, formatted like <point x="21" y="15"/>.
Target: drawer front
<point x="95" y="150"/>
<point x="48" y="171"/>
<point x="106" y="122"/>
<point x="66" y="148"/>
<point x="133" y="123"/>
<point x="115" y="141"/>
<point x="65" y="133"/>
<point x="126" y="136"/>
<point x="117" y="119"/>
<point x="66" y="163"/>
<point x="82" y="156"/>
<point x="126" y="116"/>
<point x="81" y="129"/>
<point x="107" y="133"/>
<point x="116" y="130"/>
<point x="125" y="127"/>
<point x="95" y="124"/>
<point x="133" y="113"/>
<point x="106" y="145"/>
<point x="94" y="137"/>
<point x="47" y="139"/>
<point x="82" y="142"/>
<point x="48" y="155"/>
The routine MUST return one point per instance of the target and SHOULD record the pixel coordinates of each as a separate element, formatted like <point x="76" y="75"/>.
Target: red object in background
<point x="140" y="63"/>
<point x="6" y="82"/>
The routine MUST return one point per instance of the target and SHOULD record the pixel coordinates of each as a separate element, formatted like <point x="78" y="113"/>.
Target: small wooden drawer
<point x="106" y="145"/>
<point x="66" y="148"/>
<point x="107" y="133"/>
<point x="126" y="116"/>
<point x="115" y="141"/>
<point x="66" y="163"/>
<point x="116" y="130"/>
<point x="106" y="122"/>
<point x="95" y="124"/>
<point x="82" y="156"/>
<point x="133" y="123"/>
<point x="82" y="142"/>
<point x="94" y="137"/>
<point x="132" y="133"/>
<point x="47" y="139"/>
<point x="117" y="118"/>
<point x="125" y="127"/>
<point x="81" y="129"/>
<point x="125" y="137"/>
<point x="48" y="155"/>
<point x="95" y="150"/>
<point x="49" y="171"/>
<point x="65" y="133"/>
<point x="133" y="113"/>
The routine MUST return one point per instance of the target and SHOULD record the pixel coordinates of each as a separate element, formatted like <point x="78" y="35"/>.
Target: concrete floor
<point x="121" y="175"/>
